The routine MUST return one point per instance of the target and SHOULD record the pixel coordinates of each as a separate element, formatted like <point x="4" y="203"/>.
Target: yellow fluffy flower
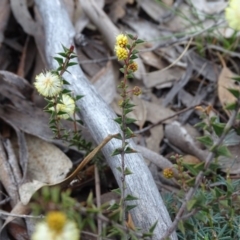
<point x="121" y="40"/>
<point x="232" y="14"/>
<point x="48" y="84"/>
<point x="56" y="227"/>
<point x="168" y="173"/>
<point x="67" y="106"/>
<point x="121" y="53"/>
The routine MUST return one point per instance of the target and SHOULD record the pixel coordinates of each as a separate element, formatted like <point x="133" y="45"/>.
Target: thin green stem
<point x="124" y="128"/>
<point x="63" y="69"/>
<point x="56" y="118"/>
<point x="64" y="66"/>
<point x="75" y="123"/>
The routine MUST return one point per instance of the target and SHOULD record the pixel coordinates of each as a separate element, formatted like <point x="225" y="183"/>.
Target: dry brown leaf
<point x="224" y="82"/>
<point x="130" y="223"/>
<point x="168" y="2"/>
<point x="151" y="59"/>
<point x="21" y="67"/>
<point x="58" y="178"/>
<point x="23" y="16"/>
<point x="117" y="10"/>
<point x="80" y="18"/>
<point x="190" y="159"/>
<point x="139" y="111"/>
<point x="46" y="165"/>
<point x="155" y="10"/>
<point x="157" y="112"/>
<point x="104" y="81"/>
<point x="164" y="78"/>
<point x="11" y="83"/>
<point x="46" y="162"/>
<point x="90" y="69"/>
<point x="7" y="177"/>
<point x="37" y="99"/>
<point x="155" y="138"/>
<point x="231" y="165"/>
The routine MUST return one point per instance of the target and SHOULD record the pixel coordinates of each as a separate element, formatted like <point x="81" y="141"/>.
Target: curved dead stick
<point x="98" y="117"/>
<point x="84" y="162"/>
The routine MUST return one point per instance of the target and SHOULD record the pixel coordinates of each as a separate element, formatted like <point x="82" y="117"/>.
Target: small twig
<point x="200" y="175"/>
<point x="179" y="58"/>
<point x="221" y="49"/>
<point x="84" y="162"/>
<point x="188" y="215"/>
<point x="4" y="213"/>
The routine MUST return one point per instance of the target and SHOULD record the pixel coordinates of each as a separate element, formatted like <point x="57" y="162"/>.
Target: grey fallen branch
<point x="98" y="117"/>
<point x="179" y="137"/>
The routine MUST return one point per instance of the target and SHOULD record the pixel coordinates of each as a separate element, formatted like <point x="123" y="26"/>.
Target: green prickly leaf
<point x="206" y="140"/>
<point x="130" y="150"/>
<point x="130" y="198"/>
<point x="116" y="152"/>
<point x="138" y="41"/>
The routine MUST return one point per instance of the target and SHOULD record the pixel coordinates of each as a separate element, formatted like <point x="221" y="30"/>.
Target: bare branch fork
<point x="98" y="117"/>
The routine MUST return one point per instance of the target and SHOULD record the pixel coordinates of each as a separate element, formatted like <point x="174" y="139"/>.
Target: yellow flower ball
<point x="56" y="221"/>
<point x="121" y="53"/>
<point x="65" y="107"/>
<point x="121" y="40"/>
<point x="232" y="14"/>
<point x="168" y="173"/>
<point x="56" y="227"/>
<point x="48" y="84"/>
